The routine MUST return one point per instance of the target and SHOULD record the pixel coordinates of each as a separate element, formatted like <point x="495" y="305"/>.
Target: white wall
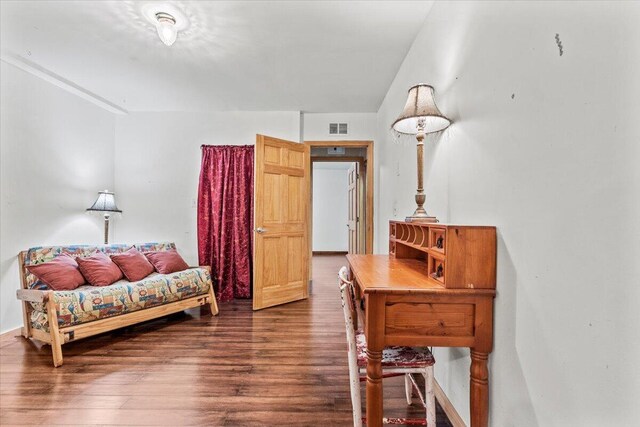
<point x="158" y="164"/>
<point x="56" y="154"/>
<point x="362" y="126"/>
<point x="330" y="206"/>
<point x="545" y="147"/>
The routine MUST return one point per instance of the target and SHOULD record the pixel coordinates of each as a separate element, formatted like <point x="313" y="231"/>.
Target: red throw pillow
<point x="133" y="264"/>
<point x="99" y="270"/>
<point x="166" y="262"/>
<point x="60" y="274"/>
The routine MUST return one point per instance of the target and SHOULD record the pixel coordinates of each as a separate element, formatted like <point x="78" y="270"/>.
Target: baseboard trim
<point x="330" y="252"/>
<point x="447" y="406"/>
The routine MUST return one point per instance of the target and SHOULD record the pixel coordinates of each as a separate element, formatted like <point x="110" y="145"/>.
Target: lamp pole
<point x="420" y="214"/>
<point x="106" y="228"/>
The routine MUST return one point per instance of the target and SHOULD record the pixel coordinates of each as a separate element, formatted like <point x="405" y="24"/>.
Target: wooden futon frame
<point x="56" y="336"/>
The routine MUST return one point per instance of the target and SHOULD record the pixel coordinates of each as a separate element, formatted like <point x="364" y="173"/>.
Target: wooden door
<point x="281" y="195"/>
<point x="353" y="222"/>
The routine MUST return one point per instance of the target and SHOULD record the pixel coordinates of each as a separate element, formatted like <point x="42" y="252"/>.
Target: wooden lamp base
<point x="421" y="219"/>
<point x="420" y="214"/>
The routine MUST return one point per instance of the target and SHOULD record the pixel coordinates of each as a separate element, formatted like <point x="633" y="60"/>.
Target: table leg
<point x="374" y="388"/>
<point x="374" y="330"/>
<point x="479" y="389"/>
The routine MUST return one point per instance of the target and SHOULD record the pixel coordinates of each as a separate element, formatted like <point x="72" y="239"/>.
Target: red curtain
<point x="225" y="218"/>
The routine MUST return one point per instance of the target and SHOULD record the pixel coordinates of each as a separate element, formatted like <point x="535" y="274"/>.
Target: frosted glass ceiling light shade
<point x="167" y="19"/>
<point x="419" y="117"/>
<point x="166" y="27"/>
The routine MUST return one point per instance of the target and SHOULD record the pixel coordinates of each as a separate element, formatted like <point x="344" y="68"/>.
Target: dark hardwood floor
<point x="282" y="366"/>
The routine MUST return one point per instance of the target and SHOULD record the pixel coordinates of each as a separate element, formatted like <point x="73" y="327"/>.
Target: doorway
<point x="353" y="160"/>
<point x="335" y="208"/>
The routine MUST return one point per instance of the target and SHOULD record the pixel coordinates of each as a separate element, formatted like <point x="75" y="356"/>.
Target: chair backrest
<point x="349" y="309"/>
<point x="348" y="300"/>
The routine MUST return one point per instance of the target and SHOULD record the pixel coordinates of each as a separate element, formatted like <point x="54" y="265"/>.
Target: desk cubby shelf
<point x="455" y="256"/>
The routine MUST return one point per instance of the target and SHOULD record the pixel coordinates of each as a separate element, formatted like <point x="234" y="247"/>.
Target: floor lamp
<point x="105" y="204"/>
<point x="419" y="117"/>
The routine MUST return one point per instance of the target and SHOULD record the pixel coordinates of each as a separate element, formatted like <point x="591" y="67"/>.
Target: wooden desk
<point x="404" y="307"/>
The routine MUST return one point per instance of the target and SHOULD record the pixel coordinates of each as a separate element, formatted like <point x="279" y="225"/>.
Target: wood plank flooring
<point x="283" y="366"/>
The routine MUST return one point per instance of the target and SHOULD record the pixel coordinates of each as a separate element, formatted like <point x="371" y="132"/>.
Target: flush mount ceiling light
<point x="166" y="27"/>
<point x="167" y="19"/>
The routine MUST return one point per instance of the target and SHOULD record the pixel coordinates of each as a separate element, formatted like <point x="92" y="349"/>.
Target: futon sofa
<point x="57" y="317"/>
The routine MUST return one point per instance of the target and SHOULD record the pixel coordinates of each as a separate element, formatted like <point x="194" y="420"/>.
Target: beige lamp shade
<point x="420" y="106"/>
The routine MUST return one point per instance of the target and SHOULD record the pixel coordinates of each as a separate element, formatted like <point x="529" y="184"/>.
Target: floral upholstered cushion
<point x="396" y="356"/>
<point x="88" y="303"/>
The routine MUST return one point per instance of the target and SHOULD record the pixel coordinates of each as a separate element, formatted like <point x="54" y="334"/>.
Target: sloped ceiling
<point x="315" y="56"/>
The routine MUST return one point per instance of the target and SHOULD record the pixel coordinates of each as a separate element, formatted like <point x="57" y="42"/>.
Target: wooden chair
<point x="395" y="361"/>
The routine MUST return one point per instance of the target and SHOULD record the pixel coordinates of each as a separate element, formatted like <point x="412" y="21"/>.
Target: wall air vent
<point x="335" y="151"/>
<point x="338" y="129"/>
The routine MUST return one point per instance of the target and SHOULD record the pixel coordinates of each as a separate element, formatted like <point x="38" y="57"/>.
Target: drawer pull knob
<point x="439" y="272"/>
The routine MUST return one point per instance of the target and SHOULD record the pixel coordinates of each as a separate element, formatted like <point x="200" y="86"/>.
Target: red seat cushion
<point x="396" y="356"/>
<point x="133" y="264"/>
<point x="166" y="262"/>
<point x="60" y="274"/>
<point x="99" y="270"/>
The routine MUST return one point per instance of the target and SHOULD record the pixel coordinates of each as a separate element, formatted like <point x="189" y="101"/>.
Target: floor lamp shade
<point x="420" y="116"/>
<point x="105" y="204"/>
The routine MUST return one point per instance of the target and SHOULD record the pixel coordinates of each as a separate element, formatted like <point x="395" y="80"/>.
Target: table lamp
<point x="419" y="117"/>
<point x="106" y="204"/>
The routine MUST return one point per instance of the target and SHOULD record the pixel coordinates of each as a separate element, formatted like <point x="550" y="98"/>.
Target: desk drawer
<point x="429" y="319"/>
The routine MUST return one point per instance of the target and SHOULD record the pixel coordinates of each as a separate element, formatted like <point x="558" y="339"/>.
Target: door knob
<point x="260" y="230"/>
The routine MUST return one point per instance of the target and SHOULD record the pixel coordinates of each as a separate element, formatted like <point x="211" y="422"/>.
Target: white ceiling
<point x="314" y="56"/>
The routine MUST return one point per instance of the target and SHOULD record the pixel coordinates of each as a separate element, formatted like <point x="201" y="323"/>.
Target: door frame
<point x="369" y="183"/>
